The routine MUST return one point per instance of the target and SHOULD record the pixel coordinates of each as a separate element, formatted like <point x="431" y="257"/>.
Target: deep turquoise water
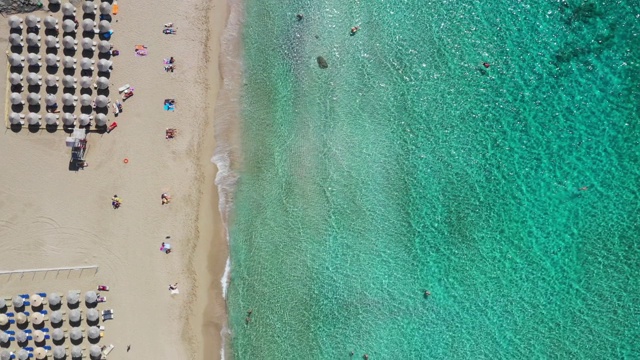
<point x="407" y="165"/>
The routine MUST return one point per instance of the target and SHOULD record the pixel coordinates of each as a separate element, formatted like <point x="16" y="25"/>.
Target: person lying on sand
<point x="173" y="287"/>
<point x="166" y="198"/>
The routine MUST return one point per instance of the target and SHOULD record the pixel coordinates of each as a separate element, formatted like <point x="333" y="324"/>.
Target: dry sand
<point x="53" y="217"/>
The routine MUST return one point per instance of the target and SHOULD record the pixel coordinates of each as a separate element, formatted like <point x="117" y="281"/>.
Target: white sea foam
<point x="225" y="278"/>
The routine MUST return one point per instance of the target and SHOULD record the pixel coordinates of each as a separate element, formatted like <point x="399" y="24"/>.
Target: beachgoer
<point x="247" y="320"/>
<point x="300" y="17"/>
<point x="249" y="312"/>
<point x="354" y="30"/>
<point x="584" y="188"/>
<point x="365" y="356"/>
<point x="128" y="348"/>
<point x="351" y="353"/>
<point x="171" y="60"/>
<point x="427" y="293"/>
<point x="168" y="25"/>
<point x="173" y="287"/>
<point x="486" y="64"/>
<point x="165" y="198"/>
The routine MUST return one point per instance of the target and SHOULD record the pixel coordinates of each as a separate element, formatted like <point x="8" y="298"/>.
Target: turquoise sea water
<point x="407" y="165"/>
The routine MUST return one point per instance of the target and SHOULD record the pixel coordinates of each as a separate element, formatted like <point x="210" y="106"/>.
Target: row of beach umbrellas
<point x="67" y="99"/>
<point x="54" y="299"/>
<point x="68" y="26"/>
<point x="68" y="42"/>
<point x="56" y="317"/>
<point x="68" y="9"/>
<point x="52" y="81"/>
<point x="68" y="119"/>
<point x="59" y="352"/>
<point x="68" y="62"/>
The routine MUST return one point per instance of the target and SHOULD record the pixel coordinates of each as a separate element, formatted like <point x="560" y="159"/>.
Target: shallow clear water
<point x="407" y="165"/>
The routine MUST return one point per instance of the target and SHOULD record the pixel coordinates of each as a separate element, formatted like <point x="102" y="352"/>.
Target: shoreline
<point x="209" y="316"/>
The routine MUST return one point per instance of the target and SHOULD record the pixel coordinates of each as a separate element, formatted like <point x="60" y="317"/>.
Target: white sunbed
<point x="107" y="349"/>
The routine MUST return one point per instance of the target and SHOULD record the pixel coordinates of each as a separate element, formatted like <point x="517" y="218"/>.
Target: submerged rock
<point x="322" y="62"/>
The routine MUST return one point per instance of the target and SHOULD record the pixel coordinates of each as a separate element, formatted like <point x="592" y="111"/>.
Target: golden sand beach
<point x="53" y="217"/>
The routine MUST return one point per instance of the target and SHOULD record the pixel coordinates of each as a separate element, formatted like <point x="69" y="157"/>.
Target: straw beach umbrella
<point x="70" y="82"/>
<point x="21" y="337"/>
<point x="4" y="337"/>
<point x="16" y="99"/>
<point x="50" y="22"/>
<point x="95" y="352"/>
<point x="15" y="60"/>
<point x="51" y="119"/>
<point x="86" y="64"/>
<point x="102" y="83"/>
<point x="33" y="98"/>
<point x="34" y="60"/>
<point x="3" y="303"/>
<point x="68" y="62"/>
<point x="68" y="100"/>
<point x="15" y="79"/>
<point x="54" y="298"/>
<point x="15" y="22"/>
<point x="40" y="353"/>
<point x="104" y="46"/>
<point x="101" y="120"/>
<point x="104" y="26"/>
<point x="101" y="101"/>
<point x="5" y="355"/>
<point x="88" y="44"/>
<point x="68" y="26"/>
<point x="69" y="43"/>
<point x="59" y="352"/>
<point x="85" y="100"/>
<point x="84" y="119"/>
<point x="105" y="8"/>
<point x="104" y="65"/>
<point x="56" y="317"/>
<point x="51" y="81"/>
<point x="92" y="314"/>
<point x="69" y="119"/>
<point x="21" y="318"/>
<point x="4" y="320"/>
<point x="68" y="9"/>
<point x="38" y="336"/>
<point x="51" y="42"/>
<point x="76" y="352"/>
<point x="57" y="334"/>
<point x="51" y="60"/>
<point x="90" y="297"/>
<point x="50" y="100"/>
<point x="88" y="25"/>
<point x="33" y="40"/>
<point x="22" y="354"/>
<point x="15" y="40"/>
<point x="89" y="7"/>
<point x="85" y="82"/>
<point x="15" y="119"/>
<point x="32" y="21"/>
<point x="75" y="334"/>
<point x="74" y="315"/>
<point x="37" y="318"/>
<point x="33" y="119"/>
<point x="93" y="333"/>
<point x="34" y="79"/>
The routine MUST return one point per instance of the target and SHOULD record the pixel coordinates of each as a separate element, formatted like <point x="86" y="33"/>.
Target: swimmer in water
<point x="427" y="293"/>
<point x="354" y="30"/>
<point x="486" y="64"/>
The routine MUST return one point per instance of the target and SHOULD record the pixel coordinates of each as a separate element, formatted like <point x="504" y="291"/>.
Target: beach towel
<point x="174" y="292"/>
<point x="141" y="50"/>
<point x="169" y="107"/>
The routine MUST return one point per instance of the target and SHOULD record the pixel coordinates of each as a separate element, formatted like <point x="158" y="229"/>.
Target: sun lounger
<point x="42" y="294"/>
<point x="107" y="312"/>
<point x="107" y="317"/>
<point x="107" y="349"/>
<point x="24" y="296"/>
<point x="120" y="90"/>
